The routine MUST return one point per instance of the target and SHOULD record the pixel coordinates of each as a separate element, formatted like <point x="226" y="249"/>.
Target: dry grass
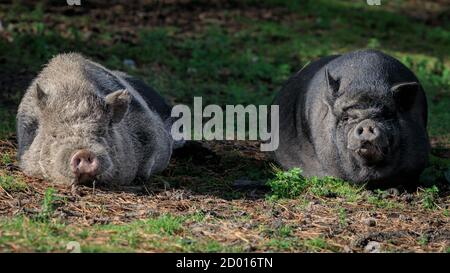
<point x="246" y="222"/>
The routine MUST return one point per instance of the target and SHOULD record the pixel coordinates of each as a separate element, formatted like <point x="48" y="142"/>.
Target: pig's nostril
<point x="84" y="162"/>
<point x="360" y="130"/>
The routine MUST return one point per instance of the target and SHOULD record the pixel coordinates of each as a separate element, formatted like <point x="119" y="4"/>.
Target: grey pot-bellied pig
<point x="79" y="122"/>
<point x="360" y="116"/>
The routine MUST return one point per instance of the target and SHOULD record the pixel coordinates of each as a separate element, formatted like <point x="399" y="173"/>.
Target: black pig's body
<point x="361" y="117"/>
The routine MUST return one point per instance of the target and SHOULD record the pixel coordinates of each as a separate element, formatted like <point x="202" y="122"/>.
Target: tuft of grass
<point x="342" y="217"/>
<point x="285" y="231"/>
<point x="12" y="184"/>
<point x="318" y="244"/>
<point x="429" y="197"/>
<point x="423" y="240"/>
<point x="47" y="207"/>
<point x="165" y="224"/>
<point x="6" y="159"/>
<point x="291" y="184"/>
<point x="287" y="184"/>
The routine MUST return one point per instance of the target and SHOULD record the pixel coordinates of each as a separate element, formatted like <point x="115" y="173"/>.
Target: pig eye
<point x="347" y="117"/>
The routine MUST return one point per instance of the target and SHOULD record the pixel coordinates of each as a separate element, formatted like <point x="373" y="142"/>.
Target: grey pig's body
<point x="119" y="126"/>
<point x="360" y="116"/>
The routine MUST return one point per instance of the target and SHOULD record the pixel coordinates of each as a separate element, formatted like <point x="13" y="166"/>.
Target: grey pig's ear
<point x="405" y="94"/>
<point x="333" y="86"/>
<point x="41" y="96"/>
<point x="117" y="102"/>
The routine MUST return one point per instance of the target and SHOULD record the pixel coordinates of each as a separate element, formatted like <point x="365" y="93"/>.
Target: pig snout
<point x="84" y="164"/>
<point x="367" y="141"/>
<point x="366" y="131"/>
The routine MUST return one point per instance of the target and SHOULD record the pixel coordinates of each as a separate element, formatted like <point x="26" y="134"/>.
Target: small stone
<point x="372" y="247"/>
<point x="371" y="222"/>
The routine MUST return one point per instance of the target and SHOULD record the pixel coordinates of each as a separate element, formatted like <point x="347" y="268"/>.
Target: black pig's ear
<point x="117" y="103"/>
<point x="41" y="96"/>
<point x="333" y="86"/>
<point x="405" y="94"/>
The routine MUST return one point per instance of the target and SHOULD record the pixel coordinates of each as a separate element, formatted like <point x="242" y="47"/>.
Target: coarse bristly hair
<point x="74" y="104"/>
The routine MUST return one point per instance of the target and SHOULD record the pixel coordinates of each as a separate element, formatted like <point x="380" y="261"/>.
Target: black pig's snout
<point x="368" y="142"/>
<point x="367" y="131"/>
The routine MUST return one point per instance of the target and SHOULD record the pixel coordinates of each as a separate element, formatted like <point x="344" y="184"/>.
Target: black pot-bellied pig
<point x="79" y="122"/>
<point x="360" y="116"/>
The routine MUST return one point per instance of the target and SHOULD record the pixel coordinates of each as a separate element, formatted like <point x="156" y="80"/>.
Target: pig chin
<point x="369" y="154"/>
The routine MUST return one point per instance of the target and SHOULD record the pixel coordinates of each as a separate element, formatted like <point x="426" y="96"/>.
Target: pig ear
<point x="333" y="85"/>
<point x="405" y="94"/>
<point x="40" y="96"/>
<point x="117" y="103"/>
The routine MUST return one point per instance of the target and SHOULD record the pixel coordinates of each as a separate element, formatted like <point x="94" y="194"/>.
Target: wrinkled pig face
<point x="367" y="131"/>
<point x="368" y="128"/>
<point x="76" y="135"/>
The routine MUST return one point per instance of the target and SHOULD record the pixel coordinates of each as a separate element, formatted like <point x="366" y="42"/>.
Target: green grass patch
<point x="48" y="205"/>
<point x="342" y="213"/>
<point x="11" y="183"/>
<point x="429" y="197"/>
<point x="162" y="233"/>
<point x="292" y="184"/>
<point x="6" y="159"/>
<point x="380" y="199"/>
<point x="318" y="244"/>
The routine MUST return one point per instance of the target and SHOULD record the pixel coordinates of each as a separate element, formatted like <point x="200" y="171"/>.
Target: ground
<point x="214" y="196"/>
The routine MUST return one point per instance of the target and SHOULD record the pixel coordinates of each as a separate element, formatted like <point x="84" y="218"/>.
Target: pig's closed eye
<point x="347" y="117"/>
